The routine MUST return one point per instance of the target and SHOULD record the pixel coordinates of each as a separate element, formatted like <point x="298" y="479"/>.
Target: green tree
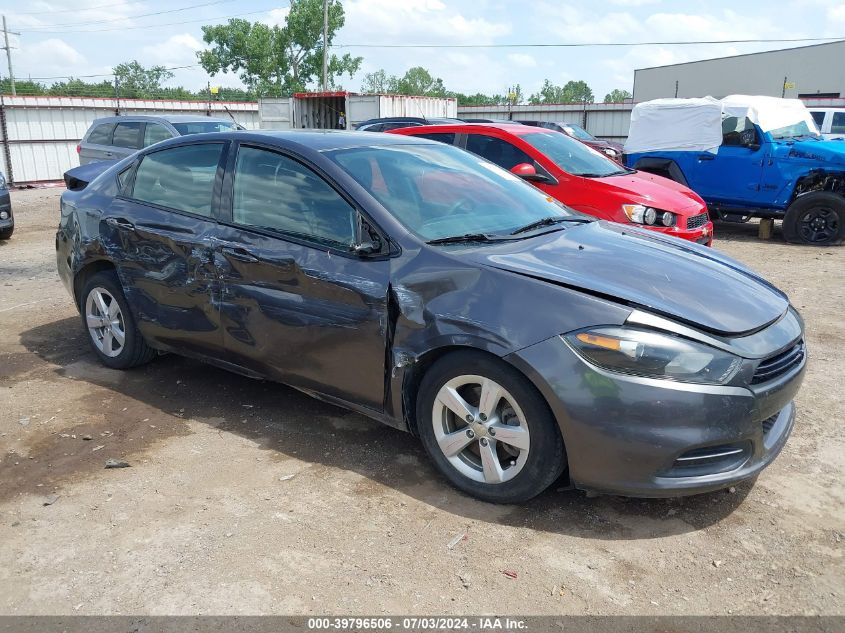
<point x="278" y="60"/>
<point x="418" y="81"/>
<point x="570" y="92"/>
<point x="379" y="82"/>
<point x="617" y="95"/>
<point x="136" y="81"/>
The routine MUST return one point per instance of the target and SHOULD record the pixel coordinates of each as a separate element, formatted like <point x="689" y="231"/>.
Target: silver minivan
<point x="116" y="137"/>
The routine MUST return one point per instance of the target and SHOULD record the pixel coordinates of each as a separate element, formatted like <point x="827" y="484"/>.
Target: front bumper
<point x="646" y="437"/>
<point x="701" y="235"/>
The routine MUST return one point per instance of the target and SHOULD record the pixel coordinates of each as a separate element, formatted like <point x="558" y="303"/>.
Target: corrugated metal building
<point x="605" y="120"/>
<point x="804" y="72"/>
<point x="38" y="135"/>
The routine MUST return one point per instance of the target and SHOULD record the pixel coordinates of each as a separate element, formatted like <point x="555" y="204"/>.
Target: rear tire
<point x="510" y="449"/>
<point x="816" y="219"/>
<point x="112" y="331"/>
<point x="5" y="234"/>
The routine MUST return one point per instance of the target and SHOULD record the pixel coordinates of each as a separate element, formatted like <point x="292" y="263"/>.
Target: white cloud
<point x="276" y="17"/>
<point x="177" y="50"/>
<point x="634" y="3"/>
<point x="52" y="57"/>
<point x="522" y="60"/>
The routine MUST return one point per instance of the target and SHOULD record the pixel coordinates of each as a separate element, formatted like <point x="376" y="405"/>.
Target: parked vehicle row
<point x="431" y="289"/>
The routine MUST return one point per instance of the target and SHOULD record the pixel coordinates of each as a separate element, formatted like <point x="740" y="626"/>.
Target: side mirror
<point x="527" y="171"/>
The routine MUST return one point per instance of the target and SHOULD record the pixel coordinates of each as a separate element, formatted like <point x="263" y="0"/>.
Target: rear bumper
<point x="647" y="437"/>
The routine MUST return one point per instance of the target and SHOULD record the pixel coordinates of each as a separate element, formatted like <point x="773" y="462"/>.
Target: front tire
<point x="5" y="234"/>
<point x="816" y="218"/>
<point x="111" y="328"/>
<point x="487" y="428"/>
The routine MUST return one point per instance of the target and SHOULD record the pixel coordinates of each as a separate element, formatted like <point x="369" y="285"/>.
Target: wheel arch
<point x="414" y="372"/>
<point x="85" y="273"/>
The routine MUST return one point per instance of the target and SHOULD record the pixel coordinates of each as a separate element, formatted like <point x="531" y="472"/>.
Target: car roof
<point x="170" y="118"/>
<point x="517" y="129"/>
<point x="318" y="140"/>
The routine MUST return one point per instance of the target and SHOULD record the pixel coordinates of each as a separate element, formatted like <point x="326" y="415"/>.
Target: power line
<point x="35" y="29"/>
<point x="586" y="44"/>
<point x="154" y="26"/>
<point x="100" y="75"/>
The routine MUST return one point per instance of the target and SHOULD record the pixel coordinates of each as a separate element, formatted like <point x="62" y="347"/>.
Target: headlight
<point x="610" y="152"/>
<point x="654" y="355"/>
<point x="642" y="214"/>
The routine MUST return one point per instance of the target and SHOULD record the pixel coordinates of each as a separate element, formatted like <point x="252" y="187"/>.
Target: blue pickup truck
<point x="747" y="156"/>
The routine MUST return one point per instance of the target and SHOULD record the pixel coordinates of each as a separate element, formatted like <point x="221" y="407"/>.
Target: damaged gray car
<point x="429" y="289"/>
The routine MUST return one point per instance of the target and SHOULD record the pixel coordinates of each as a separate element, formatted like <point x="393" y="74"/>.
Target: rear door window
<point x="101" y="134"/>
<point x="180" y="178"/>
<point x="155" y="132"/>
<point x="497" y="151"/>
<point x="818" y="117"/>
<point x="442" y="137"/>
<point x="127" y="134"/>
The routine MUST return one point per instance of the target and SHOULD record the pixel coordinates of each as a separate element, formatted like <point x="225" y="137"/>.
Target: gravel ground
<point x="248" y="497"/>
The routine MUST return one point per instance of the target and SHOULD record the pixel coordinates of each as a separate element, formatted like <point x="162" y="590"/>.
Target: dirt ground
<point x="208" y="520"/>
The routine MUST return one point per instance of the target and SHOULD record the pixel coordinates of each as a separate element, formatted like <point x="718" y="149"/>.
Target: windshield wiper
<point x="550" y="221"/>
<point x="458" y="239"/>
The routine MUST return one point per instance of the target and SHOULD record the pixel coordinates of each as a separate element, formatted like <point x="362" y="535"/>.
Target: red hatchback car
<point x="581" y="177"/>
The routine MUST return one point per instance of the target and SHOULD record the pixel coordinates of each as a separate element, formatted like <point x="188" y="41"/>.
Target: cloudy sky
<point x="54" y="41"/>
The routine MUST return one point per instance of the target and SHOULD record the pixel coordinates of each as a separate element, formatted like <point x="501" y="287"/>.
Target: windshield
<point x="578" y="132"/>
<point x="439" y="191"/>
<point x="794" y="130"/>
<point x="201" y="127"/>
<point x="573" y="156"/>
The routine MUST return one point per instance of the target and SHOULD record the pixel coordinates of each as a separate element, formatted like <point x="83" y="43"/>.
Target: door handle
<point x="240" y="254"/>
<point x="120" y="223"/>
<point x="705" y="157"/>
<point x="109" y="154"/>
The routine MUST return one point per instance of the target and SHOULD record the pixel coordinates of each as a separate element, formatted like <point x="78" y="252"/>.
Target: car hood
<point x="640" y="268"/>
<point x="828" y="150"/>
<point x="652" y="191"/>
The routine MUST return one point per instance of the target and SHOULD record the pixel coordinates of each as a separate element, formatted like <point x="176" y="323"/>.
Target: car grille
<point x="777" y="365"/>
<point x="697" y="221"/>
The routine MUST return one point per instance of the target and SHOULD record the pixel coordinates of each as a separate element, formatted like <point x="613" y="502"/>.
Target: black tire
<point x="5" y="234"/>
<point x="134" y="351"/>
<point x="816" y="219"/>
<point x="546" y="457"/>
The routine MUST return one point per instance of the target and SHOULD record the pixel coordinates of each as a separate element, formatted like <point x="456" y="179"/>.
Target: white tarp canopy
<point x="695" y="125"/>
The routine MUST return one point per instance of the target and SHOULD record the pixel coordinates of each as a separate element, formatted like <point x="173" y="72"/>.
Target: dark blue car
<point x="430" y="289"/>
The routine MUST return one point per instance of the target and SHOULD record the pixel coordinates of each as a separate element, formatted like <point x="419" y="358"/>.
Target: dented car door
<point x="297" y="304"/>
<point x="161" y="229"/>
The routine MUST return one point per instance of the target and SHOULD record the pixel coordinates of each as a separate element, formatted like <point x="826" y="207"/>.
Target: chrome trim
<point x="727" y="453"/>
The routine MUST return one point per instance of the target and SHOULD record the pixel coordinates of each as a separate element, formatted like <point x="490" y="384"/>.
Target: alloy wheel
<point x="481" y="429"/>
<point x="105" y="322"/>
<point x="819" y="224"/>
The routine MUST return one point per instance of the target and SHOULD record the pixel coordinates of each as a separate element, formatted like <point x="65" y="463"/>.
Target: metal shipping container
<point x="322" y="110"/>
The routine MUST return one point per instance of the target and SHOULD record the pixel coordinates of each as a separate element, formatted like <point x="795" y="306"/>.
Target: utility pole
<point x="325" y="44"/>
<point x="8" y="50"/>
